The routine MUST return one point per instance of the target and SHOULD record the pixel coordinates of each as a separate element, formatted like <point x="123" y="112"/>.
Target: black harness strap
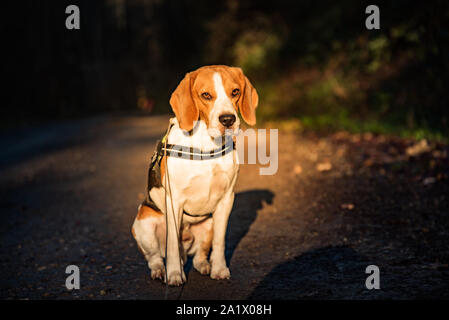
<point x="192" y="153"/>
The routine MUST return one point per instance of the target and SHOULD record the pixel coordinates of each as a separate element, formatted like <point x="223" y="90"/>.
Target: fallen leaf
<point x="439" y="154"/>
<point x="356" y="138"/>
<point x="421" y="147"/>
<point x="340" y="152"/>
<point x="348" y="206"/>
<point x="368" y="136"/>
<point x="368" y="162"/>
<point x="429" y="180"/>
<point x="297" y="169"/>
<point x="324" y="166"/>
<point x="340" y="135"/>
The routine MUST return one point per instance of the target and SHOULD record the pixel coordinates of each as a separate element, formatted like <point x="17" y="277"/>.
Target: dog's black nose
<point x="227" y="120"/>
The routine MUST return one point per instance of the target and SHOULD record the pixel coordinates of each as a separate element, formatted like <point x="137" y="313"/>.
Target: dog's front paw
<point x="220" y="273"/>
<point x="158" y="273"/>
<point x="202" y="267"/>
<point x="176" y="278"/>
<point x="157" y="269"/>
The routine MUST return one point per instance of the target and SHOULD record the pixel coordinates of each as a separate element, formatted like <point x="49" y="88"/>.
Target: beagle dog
<point x="192" y="198"/>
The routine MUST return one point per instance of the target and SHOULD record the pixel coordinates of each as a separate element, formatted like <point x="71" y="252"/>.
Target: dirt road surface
<point x="337" y="204"/>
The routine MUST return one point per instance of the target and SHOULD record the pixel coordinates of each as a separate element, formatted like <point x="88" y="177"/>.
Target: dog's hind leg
<point x="202" y="233"/>
<point x="187" y="241"/>
<point x="149" y="231"/>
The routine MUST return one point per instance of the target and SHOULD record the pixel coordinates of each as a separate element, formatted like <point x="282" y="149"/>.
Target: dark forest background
<point x="313" y="62"/>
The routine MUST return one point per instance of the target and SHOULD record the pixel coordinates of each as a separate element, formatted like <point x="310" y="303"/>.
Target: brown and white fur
<point x="196" y="186"/>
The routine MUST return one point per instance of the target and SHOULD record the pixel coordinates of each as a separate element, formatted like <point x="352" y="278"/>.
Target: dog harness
<point x="183" y="152"/>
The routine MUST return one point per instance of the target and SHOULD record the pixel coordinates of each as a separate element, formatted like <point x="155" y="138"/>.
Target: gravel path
<point x="69" y="194"/>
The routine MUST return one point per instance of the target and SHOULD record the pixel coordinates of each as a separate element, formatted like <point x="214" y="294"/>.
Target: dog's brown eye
<point x="206" y="95"/>
<point x="235" y="92"/>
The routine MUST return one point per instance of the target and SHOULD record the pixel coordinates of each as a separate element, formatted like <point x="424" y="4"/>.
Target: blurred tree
<point x="312" y="60"/>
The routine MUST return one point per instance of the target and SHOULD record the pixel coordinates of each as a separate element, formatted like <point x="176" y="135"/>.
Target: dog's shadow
<point x="244" y="212"/>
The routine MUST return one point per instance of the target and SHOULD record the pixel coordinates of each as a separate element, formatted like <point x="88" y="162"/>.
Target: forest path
<point x="69" y="194"/>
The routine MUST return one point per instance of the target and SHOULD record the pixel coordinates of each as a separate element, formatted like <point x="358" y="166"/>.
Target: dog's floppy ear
<point x="183" y="104"/>
<point x="249" y="99"/>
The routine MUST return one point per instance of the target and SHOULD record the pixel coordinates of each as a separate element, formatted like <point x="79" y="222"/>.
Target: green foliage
<point x="310" y="60"/>
<point x="389" y="81"/>
<point x="254" y="50"/>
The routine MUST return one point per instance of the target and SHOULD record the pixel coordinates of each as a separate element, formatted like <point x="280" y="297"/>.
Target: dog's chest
<point x="202" y="184"/>
<point x="199" y="185"/>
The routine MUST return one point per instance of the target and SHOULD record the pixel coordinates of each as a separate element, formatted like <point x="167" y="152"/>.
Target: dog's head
<point x="215" y="94"/>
